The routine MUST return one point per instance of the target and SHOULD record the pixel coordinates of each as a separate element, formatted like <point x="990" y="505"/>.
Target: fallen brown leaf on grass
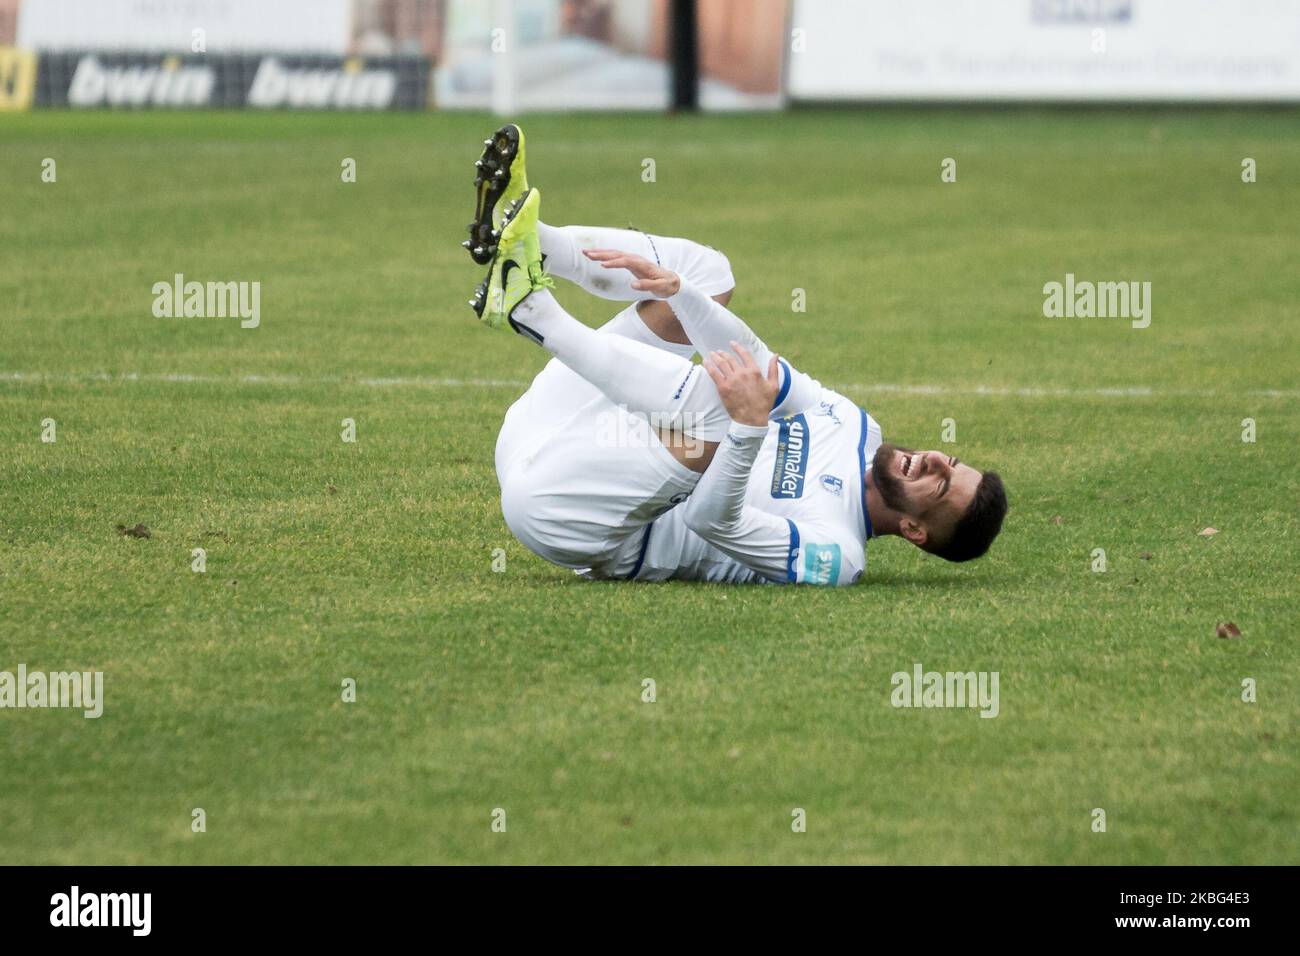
<point x="1145" y="555"/>
<point x="1207" y="532"/>
<point x="1227" y="630"/>
<point x="139" y="531"/>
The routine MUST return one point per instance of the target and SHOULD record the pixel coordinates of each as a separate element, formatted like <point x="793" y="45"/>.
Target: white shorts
<point x="582" y="478"/>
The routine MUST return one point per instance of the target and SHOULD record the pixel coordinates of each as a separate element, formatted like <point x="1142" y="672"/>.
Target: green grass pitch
<point x="521" y="690"/>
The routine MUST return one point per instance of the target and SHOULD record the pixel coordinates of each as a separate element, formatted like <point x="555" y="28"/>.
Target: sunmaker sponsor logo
<point x="79" y="690"/>
<point x="75" y="908"/>
<point x="792" y="445"/>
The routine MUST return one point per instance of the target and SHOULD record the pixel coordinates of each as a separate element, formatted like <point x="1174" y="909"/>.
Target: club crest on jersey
<point x="831" y="484"/>
<point x="792" y="446"/>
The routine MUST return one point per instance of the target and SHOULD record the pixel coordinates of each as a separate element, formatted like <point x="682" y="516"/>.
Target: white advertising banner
<point x="1045" y="50"/>
<point x="227" y="26"/>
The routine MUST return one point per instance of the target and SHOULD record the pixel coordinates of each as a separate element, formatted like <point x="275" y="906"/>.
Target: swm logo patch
<point x="821" y="563"/>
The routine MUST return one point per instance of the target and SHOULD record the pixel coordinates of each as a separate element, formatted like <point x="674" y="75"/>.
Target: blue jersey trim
<point x="682" y="387"/>
<point x="785" y="387"/>
<point x="640" y="558"/>
<point x="792" y="559"/>
<point x="862" y="470"/>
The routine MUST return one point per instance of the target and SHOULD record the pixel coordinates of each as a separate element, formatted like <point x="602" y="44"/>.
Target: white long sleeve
<point x="717" y="512"/>
<point x="712" y="326"/>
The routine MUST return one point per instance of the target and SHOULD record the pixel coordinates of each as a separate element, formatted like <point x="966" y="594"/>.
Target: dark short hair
<point x="981" y="523"/>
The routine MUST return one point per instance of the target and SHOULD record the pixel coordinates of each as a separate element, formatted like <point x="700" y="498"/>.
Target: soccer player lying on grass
<point x="626" y="460"/>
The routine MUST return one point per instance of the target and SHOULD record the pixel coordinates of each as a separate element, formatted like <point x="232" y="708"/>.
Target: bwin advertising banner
<point x="97" y="80"/>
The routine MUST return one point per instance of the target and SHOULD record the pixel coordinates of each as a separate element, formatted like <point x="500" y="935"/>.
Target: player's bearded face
<point x="930" y="487"/>
<point x="897" y="472"/>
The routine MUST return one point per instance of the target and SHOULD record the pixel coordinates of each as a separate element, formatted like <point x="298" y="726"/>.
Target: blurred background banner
<point x="293" y="54"/>
<point x="88" y="79"/>
<point x="1046" y="50"/>
<point x="559" y="55"/>
<point x="510" y="54"/>
<point x="607" y="54"/>
<point x="297" y="26"/>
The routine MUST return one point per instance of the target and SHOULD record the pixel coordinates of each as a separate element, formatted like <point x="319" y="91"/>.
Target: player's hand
<point x="747" y="394"/>
<point x="656" y="280"/>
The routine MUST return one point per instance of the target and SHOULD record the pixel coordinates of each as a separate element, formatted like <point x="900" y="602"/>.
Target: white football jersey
<point x="803" y="519"/>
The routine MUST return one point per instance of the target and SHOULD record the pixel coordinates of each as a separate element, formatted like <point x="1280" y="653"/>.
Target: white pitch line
<point x="185" y="378"/>
<point x="1126" y="391"/>
<point x="1129" y="391"/>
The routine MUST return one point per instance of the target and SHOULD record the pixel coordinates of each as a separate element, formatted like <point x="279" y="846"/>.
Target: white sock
<point x="563" y="245"/>
<point x="644" y="379"/>
<point x="705" y="268"/>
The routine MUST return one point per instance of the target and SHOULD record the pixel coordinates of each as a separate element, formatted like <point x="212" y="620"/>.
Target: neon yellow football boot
<point x="516" y="271"/>
<point x="499" y="179"/>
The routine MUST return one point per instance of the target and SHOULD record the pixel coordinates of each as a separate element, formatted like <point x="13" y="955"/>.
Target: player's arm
<point x="795" y="393"/>
<point x="716" y="511"/>
<point x="711" y="325"/>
